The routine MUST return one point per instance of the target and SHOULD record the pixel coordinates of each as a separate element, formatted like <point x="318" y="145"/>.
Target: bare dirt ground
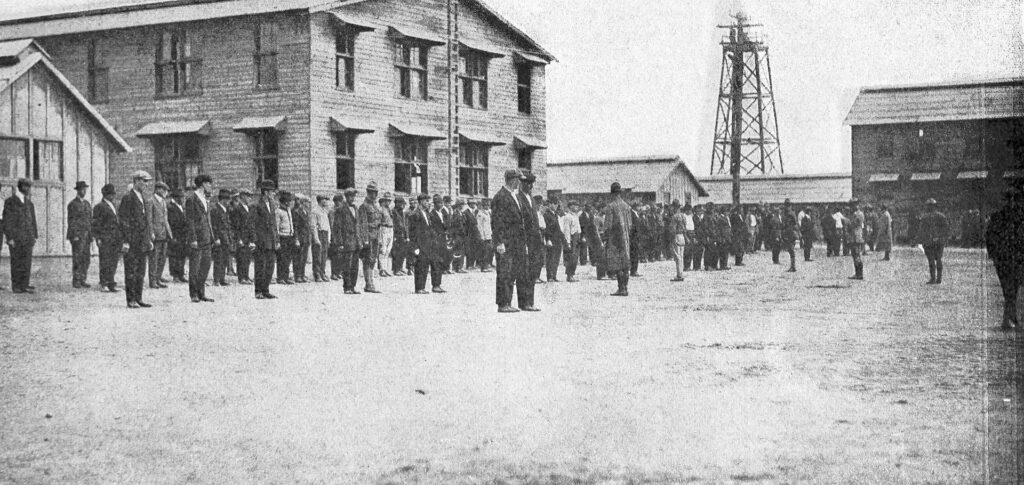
<point x="750" y="375"/>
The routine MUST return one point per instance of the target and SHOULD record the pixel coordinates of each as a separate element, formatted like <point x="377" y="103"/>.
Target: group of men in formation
<point x="522" y="236"/>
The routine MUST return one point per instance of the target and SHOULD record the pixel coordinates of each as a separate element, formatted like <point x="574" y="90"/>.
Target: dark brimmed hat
<point x="266" y="185"/>
<point x="202" y="179"/>
<point x="446" y="198"/>
<point x="513" y="173"/>
<point x="81" y="185"/>
<point x="284" y="196"/>
<point x="437" y="198"/>
<point x="616" y="188"/>
<point x="108" y="189"/>
<point x="350" y="191"/>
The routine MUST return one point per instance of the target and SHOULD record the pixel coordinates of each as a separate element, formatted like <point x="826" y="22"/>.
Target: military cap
<point x="108" y="189"/>
<point x="81" y="185"/>
<point x="387" y="196"/>
<point x="141" y="174"/>
<point x="202" y="179"/>
<point x="616" y="188"/>
<point x="224" y="194"/>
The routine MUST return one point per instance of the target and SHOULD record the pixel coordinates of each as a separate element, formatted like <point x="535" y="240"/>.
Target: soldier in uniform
<point x="157" y="208"/>
<point x="619" y="218"/>
<point x="242" y="230"/>
<point x="790" y="233"/>
<point x="933" y="232"/>
<point x="80" y="235"/>
<point x="400" y="250"/>
<point x="1004" y="238"/>
<point x="854" y="226"/>
<point x="201" y="238"/>
<point x="265" y="242"/>
<point x="19" y="218"/>
<point x="107" y="230"/>
<point x="369" y="219"/>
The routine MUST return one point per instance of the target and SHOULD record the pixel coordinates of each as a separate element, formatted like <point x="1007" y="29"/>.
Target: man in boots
<point x="933" y="231"/>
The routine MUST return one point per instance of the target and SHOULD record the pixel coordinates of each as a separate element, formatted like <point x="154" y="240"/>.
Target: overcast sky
<point x="640" y="77"/>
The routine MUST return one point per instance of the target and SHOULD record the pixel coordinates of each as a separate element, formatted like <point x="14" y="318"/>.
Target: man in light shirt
<point x="485" y="251"/>
<point x="570" y="225"/>
<point x="678" y="227"/>
<point x="321" y="234"/>
<point x="286" y="234"/>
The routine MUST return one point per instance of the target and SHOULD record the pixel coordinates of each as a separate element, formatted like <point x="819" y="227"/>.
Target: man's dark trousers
<point x="79" y="261"/>
<point x="264" y="270"/>
<point x="199" y="260"/>
<point x="21" y="266"/>
<point x="134" y="274"/>
<point x="109" y="254"/>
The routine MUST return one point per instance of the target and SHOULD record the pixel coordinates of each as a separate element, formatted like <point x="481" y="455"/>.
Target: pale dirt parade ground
<point x="750" y="375"/>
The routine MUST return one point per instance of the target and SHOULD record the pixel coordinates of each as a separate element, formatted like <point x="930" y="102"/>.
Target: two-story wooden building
<point x="317" y="95"/>
<point x="961" y="143"/>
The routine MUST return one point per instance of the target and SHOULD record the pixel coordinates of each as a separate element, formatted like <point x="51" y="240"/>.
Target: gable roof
<point x="776" y="188"/>
<point x="119" y="14"/>
<point x="31" y="56"/>
<point x="639" y="174"/>
<point x="953" y="101"/>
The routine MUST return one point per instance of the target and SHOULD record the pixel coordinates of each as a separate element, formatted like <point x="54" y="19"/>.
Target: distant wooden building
<point x="50" y="134"/>
<point x="814" y="190"/>
<point x="961" y="143"/>
<point x="657" y="178"/>
<point x="317" y="95"/>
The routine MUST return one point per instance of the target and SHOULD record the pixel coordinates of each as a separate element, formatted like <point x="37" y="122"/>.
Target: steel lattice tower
<point x="746" y="126"/>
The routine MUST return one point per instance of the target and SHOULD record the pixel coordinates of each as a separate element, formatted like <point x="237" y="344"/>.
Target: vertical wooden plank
<point x="99" y="160"/>
<point x="54" y="111"/>
<point x="37" y="103"/>
<point x="20" y="106"/>
<point x="7" y="111"/>
<point x="69" y="137"/>
<point x="84" y="156"/>
<point x="54" y="219"/>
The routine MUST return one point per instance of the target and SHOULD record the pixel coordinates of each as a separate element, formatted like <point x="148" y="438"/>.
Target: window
<point x="473" y="72"/>
<point x="411" y="68"/>
<point x="99" y="89"/>
<point x="47" y="160"/>
<point x="345" y="159"/>
<point x="178" y="159"/>
<point x="266" y="55"/>
<point x="13" y="157"/>
<point x="524" y="79"/>
<point x="525" y="158"/>
<point x="178" y="65"/>
<point x="473" y="169"/>
<point x="265" y="151"/>
<point x="411" y="165"/>
<point x="885" y="143"/>
<point x="345" y="64"/>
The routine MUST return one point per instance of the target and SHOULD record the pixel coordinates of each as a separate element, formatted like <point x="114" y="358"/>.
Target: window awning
<point x="260" y="123"/>
<point x="529" y="58"/>
<point x="884" y="177"/>
<point x="420" y="131"/>
<point x="521" y="142"/>
<point x="1013" y="174"/>
<point x="414" y="35"/>
<point x="477" y="137"/>
<point x="477" y="48"/>
<point x="339" y="124"/>
<point x="345" y="22"/>
<point x="167" y="128"/>
<point x="972" y="175"/>
<point x="925" y="176"/>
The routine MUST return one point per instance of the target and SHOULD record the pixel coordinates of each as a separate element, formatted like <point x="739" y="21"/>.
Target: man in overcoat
<point x="107" y="230"/>
<point x="422" y="244"/>
<point x="933" y="232"/>
<point x="20" y="227"/>
<point x="265" y="241"/>
<point x="1004" y="238"/>
<point x="619" y="225"/>
<point x="508" y="233"/>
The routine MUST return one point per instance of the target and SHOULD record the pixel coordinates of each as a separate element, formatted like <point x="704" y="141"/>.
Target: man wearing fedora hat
<point x="80" y="235"/>
<point x="264" y="239"/>
<point x="387" y="235"/>
<point x="220" y="221"/>
<point x="201" y="238"/>
<point x="618" y="227"/>
<point x="137" y="228"/>
<point x="107" y="230"/>
<point x="369" y="218"/>
<point x="933" y="232"/>
<point x="157" y="207"/>
<point x="19" y="218"/>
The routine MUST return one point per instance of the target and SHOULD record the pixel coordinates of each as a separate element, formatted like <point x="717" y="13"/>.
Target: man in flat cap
<point x="157" y="208"/>
<point x="106" y="228"/>
<point x="619" y="225"/>
<point x="137" y="228"/>
<point x="80" y="234"/>
<point x="265" y="242"/>
<point x="369" y="218"/>
<point x="241" y="225"/>
<point x="386" y="235"/>
<point x="933" y="232"/>
<point x="20" y="227"/>
<point x="201" y="238"/>
<point x="220" y="221"/>
<point x="346" y="236"/>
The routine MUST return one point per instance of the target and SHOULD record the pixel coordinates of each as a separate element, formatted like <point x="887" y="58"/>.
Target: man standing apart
<point x="137" y="228"/>
<point x="677" y="226"/>
<point x="320" y="232"/>
<point x="369" y="218"/>
<point x="508" y="232"/>
<point x="933" y="232"/>
<point x="855" y="238"/>
<point x="157" y="208"/>
<point x="19" y="218"/>
<point x="265" y="242"/>
<point x="80" y="235"/>
<point x="107" y="230"/>
<point x="201" y="238"/>
<point x="619" y="222"/>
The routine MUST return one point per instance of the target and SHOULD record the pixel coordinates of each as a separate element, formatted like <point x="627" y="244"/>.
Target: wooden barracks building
<point x="317" y="95"/>
<point x="960" y="143"/>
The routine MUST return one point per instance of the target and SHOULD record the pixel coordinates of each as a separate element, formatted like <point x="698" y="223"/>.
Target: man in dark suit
<point x="201" y="238"/>
<point x="346" y="237"/>
<point x="400" y="250"/>
<point x="554" y="238"/>
<point x="80" y="235"/>
<point x="107" y="230"/>
<point x="177" y="247"/>
<point x="157" y="208"/>
<point x="220" y="221"/>
<point x="457" y="233"/>
<point x="241" y="228"/>
<point x="423" y="245"/>
<point x="19" y="218"/>
<point x="635" y="249"/>
<point x="137" y="229"/>
<point x="534" y="240"/>
<point x="303" y="237"/>
<point x="264" y="241"/>
<point x="1004" y="237"/>
<point x="440" y="241"/>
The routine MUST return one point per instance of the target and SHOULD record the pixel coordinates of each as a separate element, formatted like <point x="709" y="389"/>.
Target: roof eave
<point x="111" y="133"/>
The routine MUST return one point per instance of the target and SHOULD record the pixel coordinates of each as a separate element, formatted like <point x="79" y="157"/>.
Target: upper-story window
<point x="411" y="164"/>
<point x="345" y="158"/>
<point x="99" y="88"/>
<point x="473" y="72"/>
<point x="524" y="81"/>
<point x="179" y="159"/>
<point x="265" y="57"/>
<point x="345" y="61"/>
<point x="265" y="154"/>
<point x="178" y="64"/>
<point x="411" y="69"/>
<point x="473" y="163"/>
